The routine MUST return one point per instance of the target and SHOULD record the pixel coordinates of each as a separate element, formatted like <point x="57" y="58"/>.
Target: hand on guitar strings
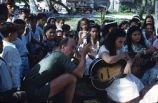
<point x="125" y="56"/>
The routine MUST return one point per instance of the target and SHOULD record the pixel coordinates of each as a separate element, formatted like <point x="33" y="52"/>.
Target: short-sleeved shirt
<point x="103" y="49"/>
<point x="46" y="70"/>
<point x="50" y="67"/>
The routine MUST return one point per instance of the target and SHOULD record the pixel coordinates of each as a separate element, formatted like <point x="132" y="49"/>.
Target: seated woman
<point x="112" y="52"/>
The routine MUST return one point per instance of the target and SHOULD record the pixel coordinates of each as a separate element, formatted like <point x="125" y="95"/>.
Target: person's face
<point x="21" y="29"/>
<point x="94" y="32"/>
<point x="136" y="36"/>
<point x="23" y="16"/>
<point x="61" y="23"/>
<point x="133" y="24"/>
<point x="42" y="21"/>
<point x="119" y="43"/>
<point x="149" y="21"/>
<point x="125" y="26"/>
<point x="149" y="29"/>
<point x="69" y="49"/>
<point x="13" y="36"/>
<point x="10" y="9"/>
<point x="50" y="34"/>
<point x="83" y="25"/>
<point x="1" y="46"/>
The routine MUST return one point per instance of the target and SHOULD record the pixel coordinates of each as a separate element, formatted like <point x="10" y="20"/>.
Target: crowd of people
<point x="42" y="57"/>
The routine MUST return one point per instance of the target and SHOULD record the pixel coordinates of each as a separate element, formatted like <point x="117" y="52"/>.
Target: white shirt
<point x="151" y="96"/>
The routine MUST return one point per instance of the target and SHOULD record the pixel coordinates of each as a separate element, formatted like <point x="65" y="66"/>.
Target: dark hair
<point x="129" y="37"/>
<point x="32" y="17"/>
<point x="7" y="28"/>
<point x="20" y="22"/>
<point x="49" y="26"/>
<point x="66" y="27"/>
<point x="79" y="23"/>
<point x="136" y="20"/>
<point x="148" y="16"/>
<point x="9" y="2"/>
<point x="41" y="15"/>
<point x="59" y="19"/>
<point x="112" y="37"/>
<point x="123" y="23"/>
<point x="24" y="10"/>
<point x="3" y="12"/>
<point x="51" y="20"/>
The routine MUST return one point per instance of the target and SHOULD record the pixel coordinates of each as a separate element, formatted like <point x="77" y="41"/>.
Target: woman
<point x="113" y="49"/>
<point x="112" y="52"/>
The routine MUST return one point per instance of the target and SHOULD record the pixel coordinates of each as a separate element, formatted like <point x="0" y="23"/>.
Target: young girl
<point x="82" y="29"/>
<point x="49" y="32"/>
<point x="135" y="41"/>
<point x="94" y="41"/>
<point x="111" y="52"/>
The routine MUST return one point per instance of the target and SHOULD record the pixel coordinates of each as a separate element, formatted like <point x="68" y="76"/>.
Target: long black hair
<point x="112" y="37"/>
<point x="129" y="38"/>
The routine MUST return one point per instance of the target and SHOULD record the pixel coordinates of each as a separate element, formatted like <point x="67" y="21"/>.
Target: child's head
<point x="134" y="35"/>
<point x="83" y="24"/>
<point x="10" y="5"/>
<point x="41" y="19"/>
<point x="124" y="25"/>
<point x="32" y="19"/>
<point x="66" y="29"/>
<point x="3" y="13"/>
<point x="51" y="20"/>
<point x="149" y="19"/>
<point x="23" y="14"/>
<point x="60" y="22"/>
<point x="93" y="31"/>
<point x="59" y="35"/>
<point x="135" y="21"/>
<point x="49" y="31"/>
<point x="9" y="30"/>
<point x="21" y="26"/>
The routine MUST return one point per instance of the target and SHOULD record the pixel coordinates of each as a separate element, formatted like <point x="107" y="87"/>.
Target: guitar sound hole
<point x="102" y="76"/>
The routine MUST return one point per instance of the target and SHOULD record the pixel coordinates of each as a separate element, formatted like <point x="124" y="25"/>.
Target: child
<point x="49" y="42"/>
<point x="21" y="46"/>
<point x="10" y="53"/>
<point x="93" y="40"/>
<point x="82" y="29"/>
<point x="135" y="41"/>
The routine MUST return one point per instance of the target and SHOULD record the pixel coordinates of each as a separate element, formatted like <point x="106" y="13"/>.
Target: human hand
<point x="86" y="49"/>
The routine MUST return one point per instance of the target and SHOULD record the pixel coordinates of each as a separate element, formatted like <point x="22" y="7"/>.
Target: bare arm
<point x="111" y="59"/>
<point x="80" y="68"/>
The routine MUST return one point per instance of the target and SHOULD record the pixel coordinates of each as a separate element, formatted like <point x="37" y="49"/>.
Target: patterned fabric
<point x="151" y="76"/>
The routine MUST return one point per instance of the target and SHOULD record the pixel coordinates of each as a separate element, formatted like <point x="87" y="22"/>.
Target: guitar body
<point x="102" y="74"/>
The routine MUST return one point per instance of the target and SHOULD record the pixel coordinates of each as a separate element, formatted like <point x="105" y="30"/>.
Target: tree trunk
<point x="33" y="7"/>
<point x="148" y="7"/>
<point x="142" y="9"/>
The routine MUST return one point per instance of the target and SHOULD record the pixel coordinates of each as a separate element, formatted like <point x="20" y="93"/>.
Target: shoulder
<point x="102" y="50"/>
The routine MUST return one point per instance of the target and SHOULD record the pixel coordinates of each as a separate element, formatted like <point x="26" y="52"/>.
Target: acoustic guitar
<point x="102" y="74"/>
